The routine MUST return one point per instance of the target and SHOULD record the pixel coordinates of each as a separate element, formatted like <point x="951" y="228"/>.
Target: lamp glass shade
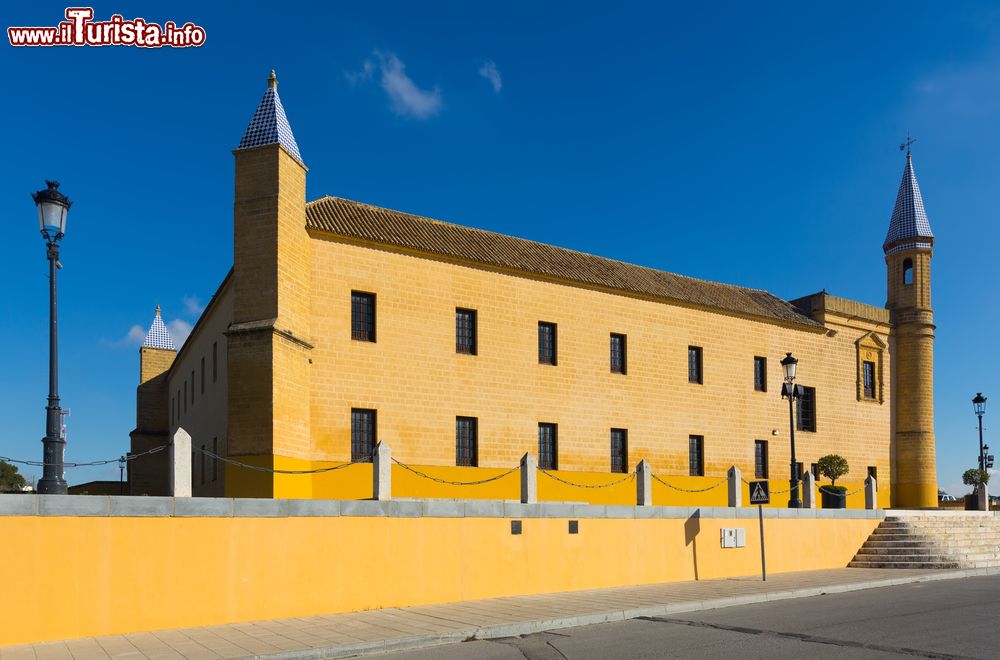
<point x="979" y="404"/>
<point x="52" y="217"/>
<point x="788" y="364"/>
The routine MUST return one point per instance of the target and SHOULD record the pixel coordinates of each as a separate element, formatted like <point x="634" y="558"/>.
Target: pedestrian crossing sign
<point x="759" y="493"/>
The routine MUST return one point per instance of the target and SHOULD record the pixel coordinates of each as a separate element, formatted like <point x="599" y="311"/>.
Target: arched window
<point x="908" y="271"/>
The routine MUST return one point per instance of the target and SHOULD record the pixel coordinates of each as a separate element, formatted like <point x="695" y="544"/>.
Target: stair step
<point x="891" y="564"/>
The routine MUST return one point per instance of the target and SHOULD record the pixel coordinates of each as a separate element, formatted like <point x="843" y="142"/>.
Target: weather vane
<point x="906" y="145"/>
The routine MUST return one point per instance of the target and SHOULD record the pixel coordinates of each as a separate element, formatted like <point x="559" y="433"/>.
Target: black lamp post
<point x="52" y="209"/>
<point x="791" y="391"/>
<point x="979" y="405"/>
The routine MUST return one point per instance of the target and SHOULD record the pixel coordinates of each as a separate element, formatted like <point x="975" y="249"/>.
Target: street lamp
<point x="52" y="209"/>
<point x="979" y="405"/>
<point x="791" y="391"/>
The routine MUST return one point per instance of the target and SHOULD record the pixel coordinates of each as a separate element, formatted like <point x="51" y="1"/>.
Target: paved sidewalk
<point x="343" y="635"/>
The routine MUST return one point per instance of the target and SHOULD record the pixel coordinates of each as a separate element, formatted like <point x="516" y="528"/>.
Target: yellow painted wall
<point x="418" y="384"/>
<point x="116" y="575"/>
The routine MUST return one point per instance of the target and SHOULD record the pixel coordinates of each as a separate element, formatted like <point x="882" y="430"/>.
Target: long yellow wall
<point x="114" y="575"/>
<point x="418" y="384"/>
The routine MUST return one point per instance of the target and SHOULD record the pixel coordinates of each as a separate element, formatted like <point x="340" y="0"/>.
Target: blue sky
<point x="752" y="143"/>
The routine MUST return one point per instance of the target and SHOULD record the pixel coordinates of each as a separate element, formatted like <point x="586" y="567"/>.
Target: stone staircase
<point x="932" y="539"/>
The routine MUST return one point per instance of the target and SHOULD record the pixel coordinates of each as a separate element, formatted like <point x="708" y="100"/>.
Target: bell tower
<point x="908" y="249"/>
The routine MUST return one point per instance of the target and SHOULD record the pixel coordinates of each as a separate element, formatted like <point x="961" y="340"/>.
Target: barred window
<point x="760" y="459"/>
<point x="868" y="379"/>
<point x="466" y="441"/>
<point x="362" y="435"/>
<point x="760" y="373"/>
<point x="465" y="331"/>
<point x="619" y="450"/>
<point x="696" y="456"/>
<point x="694" y="364"/>
<point x="548" y="448"/>
<point x="362" y="316"/>
<point x="546" y="343"/>
<point x="806" y="405"/>
<point x="619" y="359"/>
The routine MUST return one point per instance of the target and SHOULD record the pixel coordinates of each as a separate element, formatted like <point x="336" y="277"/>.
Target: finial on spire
<point x="905" y="145"/>
<point x="158" y="335"/>
<point x="272" y="80"/>
<point x="157" y="310"/>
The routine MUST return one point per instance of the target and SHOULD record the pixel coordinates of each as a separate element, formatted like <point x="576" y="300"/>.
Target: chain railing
<point x="261" y="468"/>
<point x="550" y="475"/>
<point x="691" y="490"/>
<point x="478" y="482"/>
<point x="120" y="459"/>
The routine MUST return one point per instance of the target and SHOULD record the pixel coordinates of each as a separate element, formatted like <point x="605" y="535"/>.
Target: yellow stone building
<point x="342" y="324"/>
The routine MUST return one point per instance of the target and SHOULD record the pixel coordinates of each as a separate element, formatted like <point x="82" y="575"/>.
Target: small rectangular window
<point x="619" y="359"/>
<point x="760" y="373"/>
<point x="203" y="375"/>
<point x="548" y="447"/>
<point x="868" y="379"/>
<point x="619" y="450"/>
<point x="362" y="435"/>
<point x="760" y="459"/>
<point x="215" y="362"/>
<point x="465" y="331"/>
<point x="466" y="441"/>
<point x="546" y="343"/>
<point x="696" y="456"/>
<point x="873" y="472"/>
<point x="806" y="405"/>
<point x="814" y="468"/>
<point x="362" y="316"/>
<point x="694" y="365"/>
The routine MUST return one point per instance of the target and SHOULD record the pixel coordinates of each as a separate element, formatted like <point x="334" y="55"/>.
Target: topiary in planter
<point x="833" y="467"/>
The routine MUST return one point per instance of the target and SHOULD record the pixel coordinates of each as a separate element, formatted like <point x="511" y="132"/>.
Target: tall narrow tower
<point x="908" y="249"/>
<point x="148" y="475"/>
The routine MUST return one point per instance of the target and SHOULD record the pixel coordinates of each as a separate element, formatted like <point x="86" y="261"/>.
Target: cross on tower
<point x="906" y="145"/>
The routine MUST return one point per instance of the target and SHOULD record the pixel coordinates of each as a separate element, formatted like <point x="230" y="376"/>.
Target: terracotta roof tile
<point x="355" y="220"/>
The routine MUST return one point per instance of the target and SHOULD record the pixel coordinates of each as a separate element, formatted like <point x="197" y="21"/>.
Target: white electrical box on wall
<point x="734" y="537"/>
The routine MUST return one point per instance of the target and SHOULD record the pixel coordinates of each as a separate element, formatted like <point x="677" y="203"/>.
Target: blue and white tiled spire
<point x="269" y="124"/>
<point x="909" y="226"/>
<point x="158" y="337"/>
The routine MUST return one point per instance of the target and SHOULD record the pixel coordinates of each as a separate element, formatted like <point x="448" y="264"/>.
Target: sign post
<point x="760" y="495"/>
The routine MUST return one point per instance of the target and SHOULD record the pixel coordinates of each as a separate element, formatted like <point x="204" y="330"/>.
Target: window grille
<point x="548" y="458"/>
<point x="760" y="374"/>
<point x="619" y="450"/>
<point x="618" y="356"/>
<point x="694" y="364"/>
<point x="806" y="404"/>
<point x="362" y="316"/>
<point x="546" y="343"/>
<point x="465" y="331"/>
<point x="760" y="459"/>
<point x="466" y="441"/>
<point x="696" y="457"/>
<point x="868" y="379"/>
<point x="362" y="435"/>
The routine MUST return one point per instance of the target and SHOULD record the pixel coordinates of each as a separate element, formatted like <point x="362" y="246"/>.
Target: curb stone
<point x="531" y="627"/>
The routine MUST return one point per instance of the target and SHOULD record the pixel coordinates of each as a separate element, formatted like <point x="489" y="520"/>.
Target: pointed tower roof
<point x="158" y="337"/>
<point x="269" y="124"/>
<point x="909" y="226"/>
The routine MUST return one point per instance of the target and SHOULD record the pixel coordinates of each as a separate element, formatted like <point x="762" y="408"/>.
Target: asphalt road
<point x="945" y="619"/>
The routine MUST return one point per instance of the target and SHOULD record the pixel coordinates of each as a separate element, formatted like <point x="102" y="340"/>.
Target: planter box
<point x="833" y="500"/>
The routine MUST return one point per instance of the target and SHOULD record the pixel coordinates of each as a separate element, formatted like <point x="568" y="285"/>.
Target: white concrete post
<point x="871" y="490"/>
<point x="983" y="498"/>
<point x="180" y="464"/>
<point x="529" y="479"/>
<point x="382" y="472"/>
<point x="808" y="490"/>
<point x="735" y="486"/>
<point x="643" y="484"/>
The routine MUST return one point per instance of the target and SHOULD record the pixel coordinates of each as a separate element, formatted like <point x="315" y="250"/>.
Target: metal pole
<point x="793" y="498"/>
<point x="763" y="562"/>
<point x="982" y="454"/>
<point x="52" y="481"/>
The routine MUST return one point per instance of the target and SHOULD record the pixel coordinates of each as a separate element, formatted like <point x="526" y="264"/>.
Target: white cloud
<point x="364" y="75"/>
<point x="134" y="337"/>
<point x="489" y="71"/>
<point x="407" y="99"/>
<point x="179" y="330"/>
<point x="192" y="306"/>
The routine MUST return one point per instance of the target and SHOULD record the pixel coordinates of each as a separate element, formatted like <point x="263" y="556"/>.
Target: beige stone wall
<point x="205" y="414"/>
<point x="418" y="383"/>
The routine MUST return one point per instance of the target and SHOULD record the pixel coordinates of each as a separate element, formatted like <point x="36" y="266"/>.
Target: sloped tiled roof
<point x="158" y="337"/>
<point x="269" y="124"/>
<point x="909" y="226"/>
<point x="355" y="220"/>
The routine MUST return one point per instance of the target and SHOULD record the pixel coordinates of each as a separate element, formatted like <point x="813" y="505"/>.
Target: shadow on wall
<point x="691" y="528"/>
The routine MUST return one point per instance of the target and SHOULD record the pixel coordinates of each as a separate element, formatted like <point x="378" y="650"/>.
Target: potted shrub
<point x="833" y="467"/>
<point x="975" y="478"/>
